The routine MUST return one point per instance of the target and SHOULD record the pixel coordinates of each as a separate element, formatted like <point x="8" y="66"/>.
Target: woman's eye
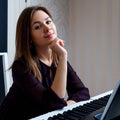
<point x="48" y="22"/>
<point x="37" y="27"/>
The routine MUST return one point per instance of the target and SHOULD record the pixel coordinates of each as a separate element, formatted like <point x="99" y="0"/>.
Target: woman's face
<point x="43" y="29"/>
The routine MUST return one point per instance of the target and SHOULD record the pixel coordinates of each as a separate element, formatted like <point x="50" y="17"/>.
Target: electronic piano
<point x="78" y="110"/>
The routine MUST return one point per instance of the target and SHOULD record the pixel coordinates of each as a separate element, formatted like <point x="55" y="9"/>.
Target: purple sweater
<point x="28" y="97"/>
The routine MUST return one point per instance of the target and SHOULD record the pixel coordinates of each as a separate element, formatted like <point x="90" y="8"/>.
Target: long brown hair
<point x="24" y="48"/>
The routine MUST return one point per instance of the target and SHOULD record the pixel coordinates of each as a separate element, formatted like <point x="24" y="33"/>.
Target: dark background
<point x="3" y="41"/>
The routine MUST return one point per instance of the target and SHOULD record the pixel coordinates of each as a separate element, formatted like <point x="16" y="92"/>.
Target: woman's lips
<point x="49" y="35"/>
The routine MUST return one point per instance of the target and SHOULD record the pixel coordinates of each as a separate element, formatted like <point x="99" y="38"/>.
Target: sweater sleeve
<point x="77" y="91"/>
<point x="34" y="89"/>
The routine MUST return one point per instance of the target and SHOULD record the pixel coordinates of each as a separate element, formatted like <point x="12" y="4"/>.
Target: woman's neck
<point x="45" y="55"/>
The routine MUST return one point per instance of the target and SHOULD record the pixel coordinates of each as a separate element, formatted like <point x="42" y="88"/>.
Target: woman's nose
<point x="46" y="28"/>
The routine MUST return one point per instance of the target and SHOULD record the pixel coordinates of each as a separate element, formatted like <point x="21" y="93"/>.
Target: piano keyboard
<point x="78" y="111"/>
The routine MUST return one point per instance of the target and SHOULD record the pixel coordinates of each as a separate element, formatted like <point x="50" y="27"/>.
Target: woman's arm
<point x="76" y="90"/>
<point x="59" y="83"/>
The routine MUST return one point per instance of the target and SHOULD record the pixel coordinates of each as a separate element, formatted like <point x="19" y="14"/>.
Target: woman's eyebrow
<point x="35" y="22"/>
<point x="47" y="18"/>
<point x="39" y="21"/>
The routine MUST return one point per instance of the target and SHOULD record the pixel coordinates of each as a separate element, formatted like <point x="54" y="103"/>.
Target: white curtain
<point x="95" y="42"/>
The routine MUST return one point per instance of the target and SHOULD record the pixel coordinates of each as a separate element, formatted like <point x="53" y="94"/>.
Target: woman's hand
<point x="57" y="46"/>
<point x="69" y="102"/>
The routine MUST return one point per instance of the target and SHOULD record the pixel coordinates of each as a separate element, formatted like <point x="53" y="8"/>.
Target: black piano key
<point x="102" y="103"/>
<point x="71" y="116"/>
<point x="86" y="108"/>
<point x="79" y="114"/>
<point x="59" y="117"/>
<point x="105" y="98"/>
<point x="97" y="105"/>
<point x="55" y="118"/>
<point x="62" y="117"/>
<point x="51" y="118"/>
<point x="89" y="107"/>
<point x="82" y="110"/>
<point x="93" y="106"/>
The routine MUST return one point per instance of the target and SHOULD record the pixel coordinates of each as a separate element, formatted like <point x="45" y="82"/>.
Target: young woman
<point x="41" y="72"/>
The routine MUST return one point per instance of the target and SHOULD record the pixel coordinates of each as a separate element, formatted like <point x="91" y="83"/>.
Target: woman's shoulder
<point x="18" y="63"/>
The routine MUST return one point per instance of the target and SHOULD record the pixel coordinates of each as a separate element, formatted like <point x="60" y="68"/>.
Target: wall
<point x="3" y="43"/>
<point x="14" y="9"/>
<point x="95" y="33"/>
<point x="3" y="26"/>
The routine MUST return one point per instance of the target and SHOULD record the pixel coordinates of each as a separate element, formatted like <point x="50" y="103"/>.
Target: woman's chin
<point x="53" y="38"/>
<point x="50" y="39"/>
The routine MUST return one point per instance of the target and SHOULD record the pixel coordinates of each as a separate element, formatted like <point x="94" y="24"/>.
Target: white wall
<point x="95" y="40"/>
